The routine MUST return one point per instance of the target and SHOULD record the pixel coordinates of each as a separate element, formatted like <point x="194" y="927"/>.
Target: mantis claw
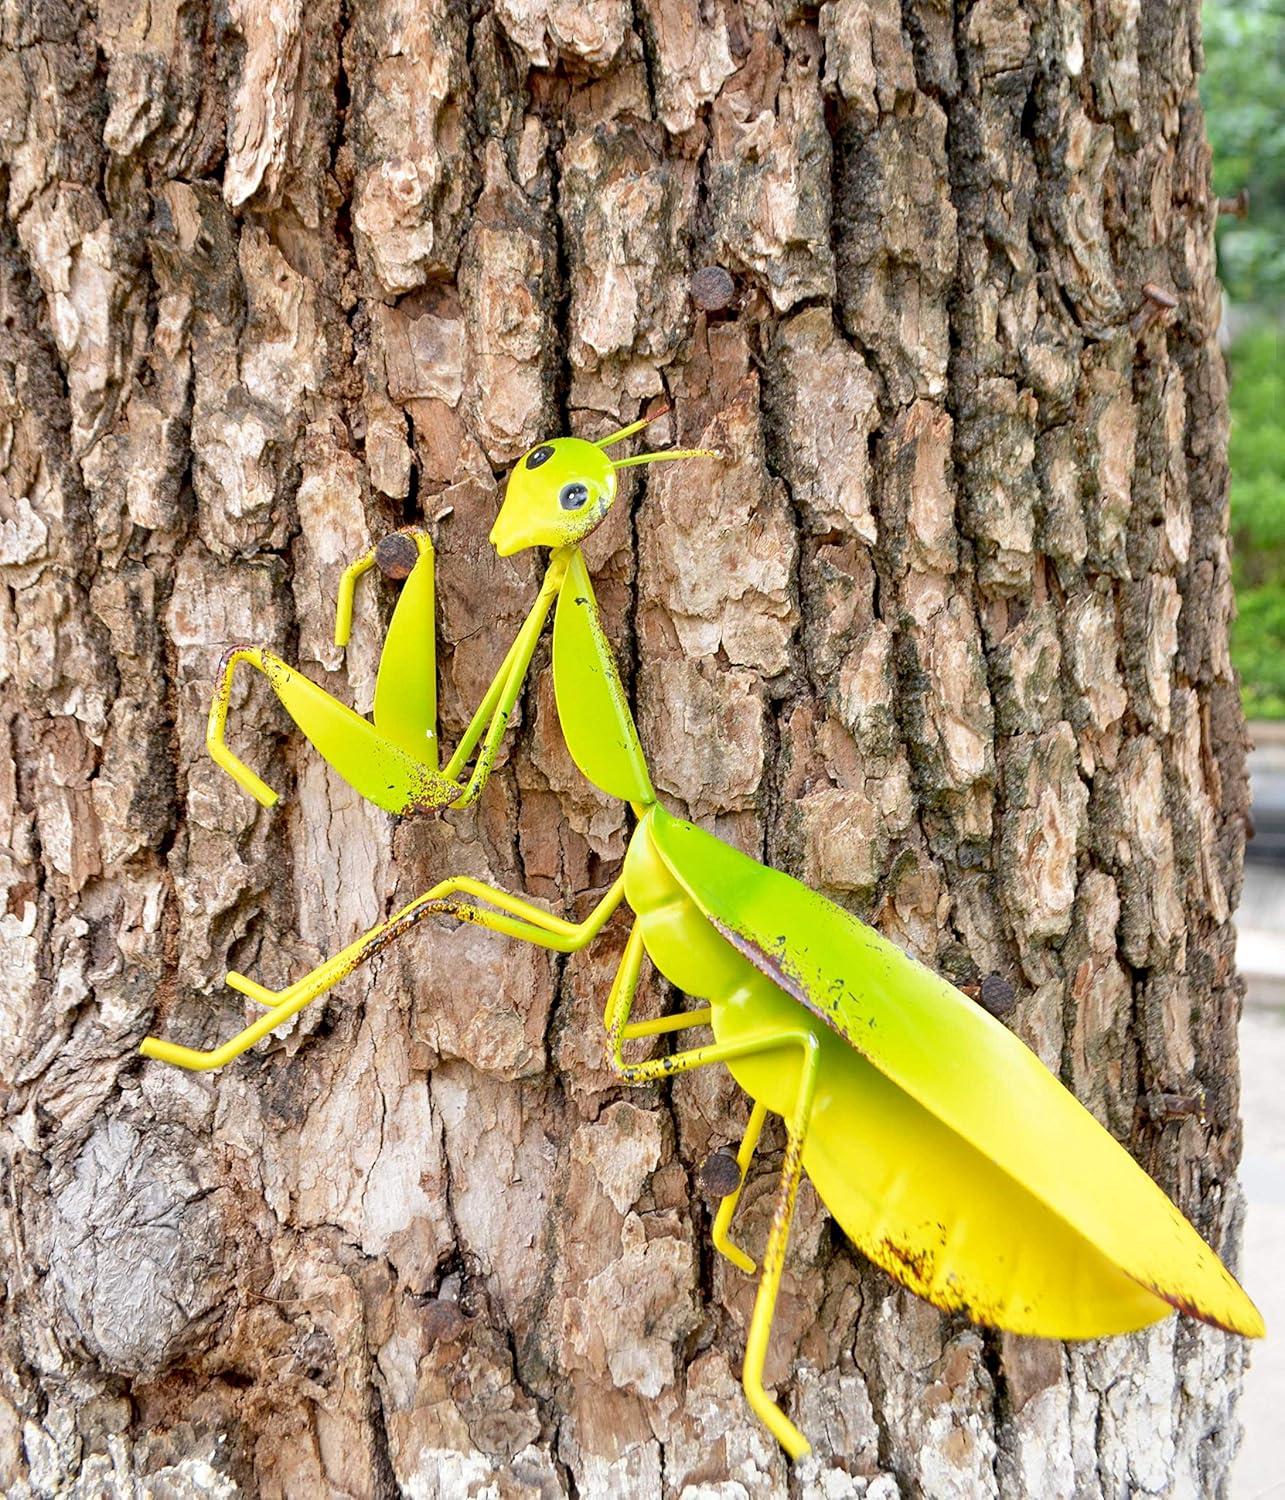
<point x="737" y="1256"/>
<point x="255" y="991"/>
<point x="215" y="742"/>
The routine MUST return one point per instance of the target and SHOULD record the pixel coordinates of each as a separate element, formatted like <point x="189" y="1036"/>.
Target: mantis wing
<point x="960" y="1064"/>
<point x="596" y="722"/>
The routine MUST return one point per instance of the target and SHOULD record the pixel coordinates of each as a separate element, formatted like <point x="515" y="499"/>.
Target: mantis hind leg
<point x="780" y="1039"/>
<point x="756" y="1343"/>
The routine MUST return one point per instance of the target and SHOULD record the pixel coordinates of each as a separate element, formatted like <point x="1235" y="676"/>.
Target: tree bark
<point x="946" y="637"/>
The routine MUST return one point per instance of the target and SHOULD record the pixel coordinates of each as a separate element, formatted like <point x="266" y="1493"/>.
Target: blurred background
<point x="1244" y="94"/>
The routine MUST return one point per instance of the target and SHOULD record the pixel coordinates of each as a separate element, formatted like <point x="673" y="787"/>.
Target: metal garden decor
<point x="944" y="1148"/>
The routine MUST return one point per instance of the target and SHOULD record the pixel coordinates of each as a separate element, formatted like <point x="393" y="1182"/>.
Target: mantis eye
<point x="538" y="456"/>
<point x="573" y="496"/>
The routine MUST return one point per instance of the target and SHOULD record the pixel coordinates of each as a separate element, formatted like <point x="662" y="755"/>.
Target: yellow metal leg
<point x="620" y="1001"/>
<point x="515" y="918"/>
<point x="343" y="601"/>
<point x="496" y="707"/>
<point x="620" y="1029"/>
<point x="756" y="1344"/>
<point x="216" y="730"/>
<point x="726" y="1209"/>
<point x="405" y="706"/>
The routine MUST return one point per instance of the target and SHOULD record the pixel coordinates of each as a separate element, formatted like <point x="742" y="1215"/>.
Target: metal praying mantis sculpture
<point x="944" y="1148"/>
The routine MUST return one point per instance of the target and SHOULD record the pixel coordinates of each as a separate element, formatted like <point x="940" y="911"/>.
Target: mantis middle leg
<point x="727" y="1208"/>
<point x="620" y="1029"/>
<point x="513" y="917"/>
<point x="796" y="1124"/>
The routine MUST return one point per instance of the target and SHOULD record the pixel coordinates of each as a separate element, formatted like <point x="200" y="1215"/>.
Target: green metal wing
<point x="957" y="1062"/>
<point x="596" y="722"/>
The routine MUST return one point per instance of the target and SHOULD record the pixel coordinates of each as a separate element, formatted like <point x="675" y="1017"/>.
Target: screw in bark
<point x="1157" y="305"/>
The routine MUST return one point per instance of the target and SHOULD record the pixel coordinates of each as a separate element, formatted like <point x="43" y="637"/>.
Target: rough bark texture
<point x="946" y="637"/>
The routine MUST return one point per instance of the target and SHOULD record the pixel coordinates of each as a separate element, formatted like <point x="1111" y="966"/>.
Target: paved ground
<point x="1260" y="1467"/>
<point x="1260" y="952"/>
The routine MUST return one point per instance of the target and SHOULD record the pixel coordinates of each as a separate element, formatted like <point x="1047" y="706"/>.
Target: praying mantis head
<point x="561" y="489"/>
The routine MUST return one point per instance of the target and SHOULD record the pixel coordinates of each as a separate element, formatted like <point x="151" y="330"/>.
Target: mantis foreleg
<point x="393" y="761"/>
<point x="413" y="696"/>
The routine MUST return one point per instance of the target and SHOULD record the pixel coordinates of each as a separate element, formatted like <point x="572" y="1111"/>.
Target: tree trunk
<point x="946" y="637"/>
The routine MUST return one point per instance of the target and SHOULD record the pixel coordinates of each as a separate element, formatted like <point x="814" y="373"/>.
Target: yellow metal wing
<point x="973" y="1095"/>
<point x="945" y="1221"/>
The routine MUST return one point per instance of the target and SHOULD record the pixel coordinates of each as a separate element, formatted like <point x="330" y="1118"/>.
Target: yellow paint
<point x="942" y="1144"/>
<point x="597" y="724"/>
<point x="946" y="1151"/>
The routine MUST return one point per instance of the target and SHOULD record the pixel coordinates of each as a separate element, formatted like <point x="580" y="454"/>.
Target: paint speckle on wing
<point x="838" y="1005"/>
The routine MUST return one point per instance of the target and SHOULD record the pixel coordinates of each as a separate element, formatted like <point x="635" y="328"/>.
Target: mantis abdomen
<point x="910" y="1193"/>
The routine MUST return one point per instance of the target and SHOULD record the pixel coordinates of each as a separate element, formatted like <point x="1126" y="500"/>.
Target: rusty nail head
<point x="713" y="289"/>
<point x="997" y="995"/>
<point x="1163" y="1106"/>
<point x="442" y="1321"/>
<point x="396" y="555"/>
<point x="720" y="1175"/>
<point x="1157" y="304"/>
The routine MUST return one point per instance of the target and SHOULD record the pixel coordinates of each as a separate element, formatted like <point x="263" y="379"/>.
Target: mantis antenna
<point x="622" y="433"/>
<point x="659" y="458"/>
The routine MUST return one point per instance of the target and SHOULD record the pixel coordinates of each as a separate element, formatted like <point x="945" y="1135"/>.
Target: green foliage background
<point x="1244" y="94"/>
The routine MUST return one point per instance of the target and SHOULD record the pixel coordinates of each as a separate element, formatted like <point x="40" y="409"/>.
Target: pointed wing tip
<point x="1237" y="1316"/>
<point x="1255" y="1327"/>
<point x="1246" y="1321"/>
